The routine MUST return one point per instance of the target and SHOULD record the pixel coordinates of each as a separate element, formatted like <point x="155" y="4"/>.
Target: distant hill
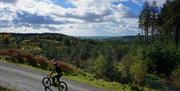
<point x="93" y="37"/>
<point x="122" y="38"/>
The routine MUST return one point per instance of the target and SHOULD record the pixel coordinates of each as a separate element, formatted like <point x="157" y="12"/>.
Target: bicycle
<point x="47" y="82"/>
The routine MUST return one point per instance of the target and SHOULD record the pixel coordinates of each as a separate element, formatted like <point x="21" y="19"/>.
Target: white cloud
<point x="8" y="1"/>
<point x="140" y="2"/>
<point x="88" y="17"/>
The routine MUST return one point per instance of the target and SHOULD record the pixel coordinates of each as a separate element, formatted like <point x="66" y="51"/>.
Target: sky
<point x="72" y="17"/>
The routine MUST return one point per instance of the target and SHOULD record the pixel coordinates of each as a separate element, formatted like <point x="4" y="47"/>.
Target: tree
<point x="171" y="20"/>
<point x="100" y="65"/>
<point x="144" y="19"/>
<point x="138" y="71"/>
<point x="104" y="68"/>
<point x="153" y="17"/>
<point x="176" y="18"/>
<point x="148" y="18"/>
<point x="6" y="39"/>
<point x="111" y="73"/>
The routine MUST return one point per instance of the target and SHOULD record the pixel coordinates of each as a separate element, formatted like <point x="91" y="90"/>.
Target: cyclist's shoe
<point x="55" y="85"/>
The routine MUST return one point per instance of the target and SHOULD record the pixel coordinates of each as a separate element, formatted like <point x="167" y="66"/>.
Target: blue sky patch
<point x="64" y="3"/>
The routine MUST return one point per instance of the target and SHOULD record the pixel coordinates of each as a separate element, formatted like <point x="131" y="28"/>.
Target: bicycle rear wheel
<point x="46" y="82"/>
<point x="62" y="86"/>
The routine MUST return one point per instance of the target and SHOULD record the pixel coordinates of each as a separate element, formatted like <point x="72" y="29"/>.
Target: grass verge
<point x="5" y="89"/>
<point x="114" y="86"/>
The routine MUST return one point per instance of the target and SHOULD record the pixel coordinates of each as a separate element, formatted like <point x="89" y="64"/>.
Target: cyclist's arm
<point x="51" y="72"/>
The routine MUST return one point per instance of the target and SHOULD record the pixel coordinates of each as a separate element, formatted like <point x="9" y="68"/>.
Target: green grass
<point x="114" y="86"/>
<point x="5" y="89"/>
<point x="2" y="58"/>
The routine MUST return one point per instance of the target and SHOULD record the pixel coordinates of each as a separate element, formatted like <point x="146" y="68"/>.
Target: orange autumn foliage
<point x="34" y="60"/>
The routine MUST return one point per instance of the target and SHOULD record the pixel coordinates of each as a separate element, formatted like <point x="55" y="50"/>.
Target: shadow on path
<point x="48" y="89"/>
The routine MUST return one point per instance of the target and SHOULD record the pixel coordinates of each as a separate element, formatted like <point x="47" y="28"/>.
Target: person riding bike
<point x="57" y="69"/>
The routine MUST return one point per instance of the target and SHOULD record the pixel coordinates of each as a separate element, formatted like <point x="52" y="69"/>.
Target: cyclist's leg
<point x="53" y="79"/>
<point x="58" y="76"/>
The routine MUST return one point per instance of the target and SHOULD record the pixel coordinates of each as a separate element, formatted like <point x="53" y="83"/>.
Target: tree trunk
<point x="176" y="37"/>
<point x="146" y="34"/>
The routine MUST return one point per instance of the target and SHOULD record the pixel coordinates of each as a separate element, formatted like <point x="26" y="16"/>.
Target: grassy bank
<point x="112" y="86"/>
<point x="5" y="89"/>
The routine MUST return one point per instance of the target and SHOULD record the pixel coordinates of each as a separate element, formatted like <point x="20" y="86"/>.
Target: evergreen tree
<point x="154" y="17"/>
<point x="144" y="19"/>
<point x="170" y="19"/>
<point x="176" y="18"/>
<point x="104" y="68"/>
<point x="100" y="66"/>
<point x="138" y="71"/>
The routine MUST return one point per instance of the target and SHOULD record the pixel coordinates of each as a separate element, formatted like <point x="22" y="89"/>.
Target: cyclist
<point x="57" y="69"/>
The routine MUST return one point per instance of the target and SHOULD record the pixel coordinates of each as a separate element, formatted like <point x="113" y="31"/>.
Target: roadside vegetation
<point x="148" y="62"/>
<point x="5" y="89"/>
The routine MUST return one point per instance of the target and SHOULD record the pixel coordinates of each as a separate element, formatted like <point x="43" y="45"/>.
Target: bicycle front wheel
<point x="62" y="86"/>
<point x="46" y="82"/>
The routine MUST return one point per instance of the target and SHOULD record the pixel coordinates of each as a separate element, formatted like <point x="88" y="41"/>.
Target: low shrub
<point x="163" y="61"/>
<point x="33" y="60"/>
<point x="153" y="81"/>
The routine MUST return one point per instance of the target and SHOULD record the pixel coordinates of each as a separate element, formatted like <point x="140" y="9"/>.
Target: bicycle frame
<point x="51" y="79"/>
